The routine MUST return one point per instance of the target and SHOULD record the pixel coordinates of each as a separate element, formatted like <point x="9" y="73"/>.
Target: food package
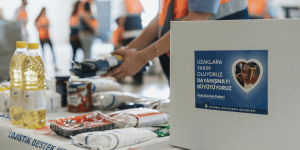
<point x="100" y="85"/>
<point x="53" y="101"/>
<point x="113" y="139"/>
<point x="139" y="117"/>
<point x="122" y="100"/>
<point x="164" y="130"/>
<point x="91" y="122"/>
<point x="99" y="66"/>
<point x="4" y="100"/>
<point x="112" y="99"/>
<point x="50" y="84"/>
<point x="162" y="106"/>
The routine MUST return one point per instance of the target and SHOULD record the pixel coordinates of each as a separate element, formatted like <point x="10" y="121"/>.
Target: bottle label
<point x="15" y="96"/>
<point x="34" y="100"/>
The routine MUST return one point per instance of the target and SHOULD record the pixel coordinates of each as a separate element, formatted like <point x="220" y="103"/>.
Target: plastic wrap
<point x="112" y="99"/>
<point x="100" y="85"/>
<point x="72" y="126"/>
<point x="122" y="100"/>
<point x="162" y="106"/>
<point x="139" y="117"/>
<point x="53" y="101"/>
<point x="114" y="139"/>
<point x="99" y="66"/>
<point x="5" y="84"/>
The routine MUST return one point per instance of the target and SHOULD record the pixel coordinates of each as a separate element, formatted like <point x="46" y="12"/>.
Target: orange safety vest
<point x="258" y="8"/>
<point x="43" y="32"/>
<point x="81" y="5"/>
<point x="117" y="35"/>
<point x="22" y="14"/>
<point x="133" y="7"/>
<point x="179" y="9"/>
<point x="94" y="23"/>
<point x="74" y="21"/>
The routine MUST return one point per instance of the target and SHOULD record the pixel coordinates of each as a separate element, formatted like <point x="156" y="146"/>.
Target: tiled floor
<point x="155" y="86"/>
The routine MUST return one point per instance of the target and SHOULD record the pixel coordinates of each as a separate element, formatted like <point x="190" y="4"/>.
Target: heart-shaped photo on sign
<point x="247" y="74"/>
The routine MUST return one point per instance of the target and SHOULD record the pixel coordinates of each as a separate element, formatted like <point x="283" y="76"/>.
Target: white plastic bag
<point x="113" y="139"/>
<point x="5" y="83"/>
<point x="114" y="99"/>
<point x="100" y="85"/>
<point x="53" y="101"/>
<point x="139" y="117"/>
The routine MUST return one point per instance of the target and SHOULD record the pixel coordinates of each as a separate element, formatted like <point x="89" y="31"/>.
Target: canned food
<point x="61" y="88"/>
<point x="79" y="96"/>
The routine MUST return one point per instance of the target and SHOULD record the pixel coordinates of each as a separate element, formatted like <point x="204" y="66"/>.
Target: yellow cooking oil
<point x="33" y="91"/>
<point x="16" y="82"/>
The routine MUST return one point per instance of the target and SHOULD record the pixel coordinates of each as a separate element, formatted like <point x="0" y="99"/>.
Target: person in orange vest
<point x="89" y="28"/>
<point x="42" y="25"/>
<point x="131" y="21"/>
<point x="81" y="6"/>
<point x="75" y="26"/>
<point x="159" y="27"/>
<point x="21" y="15"/>
<point x="117" y="37"/>
<point x="263" y="9"/>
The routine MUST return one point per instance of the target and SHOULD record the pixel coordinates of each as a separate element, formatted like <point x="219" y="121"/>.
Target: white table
<point x="16" y="138"/>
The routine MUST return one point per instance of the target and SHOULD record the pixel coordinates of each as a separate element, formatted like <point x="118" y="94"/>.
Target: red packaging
<point x="79" y="96"/>
<point x="72" y="126"/>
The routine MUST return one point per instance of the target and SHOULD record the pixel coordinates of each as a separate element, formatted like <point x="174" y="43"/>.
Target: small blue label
<point x="232" y="80"/>
<point x="5" y="116"/>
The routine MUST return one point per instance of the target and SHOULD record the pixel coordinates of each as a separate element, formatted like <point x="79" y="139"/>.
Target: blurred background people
<point x="81" y="9"/>
<point x="21" y="15"/>
<point x="159" y="27"/>
<point x="89" y="27"/>
<point x="75" y="26"/>
<point x="117" y="37"/>
<point x="42" y="25"/>
<point x="131" y="21"/>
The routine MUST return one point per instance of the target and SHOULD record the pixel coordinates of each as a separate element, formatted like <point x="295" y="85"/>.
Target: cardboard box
<point x="214" y="106"/>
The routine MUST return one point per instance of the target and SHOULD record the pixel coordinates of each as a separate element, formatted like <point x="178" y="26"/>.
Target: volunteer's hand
<point x="133" y="62"/>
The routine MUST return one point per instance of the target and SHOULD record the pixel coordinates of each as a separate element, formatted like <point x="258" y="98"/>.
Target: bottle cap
<point x="33" y="46"/>
<point x="21" y="44"/>
<point x="119" y="57"/>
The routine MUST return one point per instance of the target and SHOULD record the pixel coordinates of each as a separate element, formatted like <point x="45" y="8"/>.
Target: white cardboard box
<point x="275" y="45"/>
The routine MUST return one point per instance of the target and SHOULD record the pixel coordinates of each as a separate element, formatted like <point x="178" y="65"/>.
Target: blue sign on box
<point x="232" y="80"/>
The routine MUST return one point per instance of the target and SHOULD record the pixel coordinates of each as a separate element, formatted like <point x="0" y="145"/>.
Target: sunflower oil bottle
<point x="16" y="82"/>
<point x="33" y="91"/>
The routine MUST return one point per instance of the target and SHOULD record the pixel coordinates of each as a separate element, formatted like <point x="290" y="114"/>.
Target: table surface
<point x="15" y="138"/>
